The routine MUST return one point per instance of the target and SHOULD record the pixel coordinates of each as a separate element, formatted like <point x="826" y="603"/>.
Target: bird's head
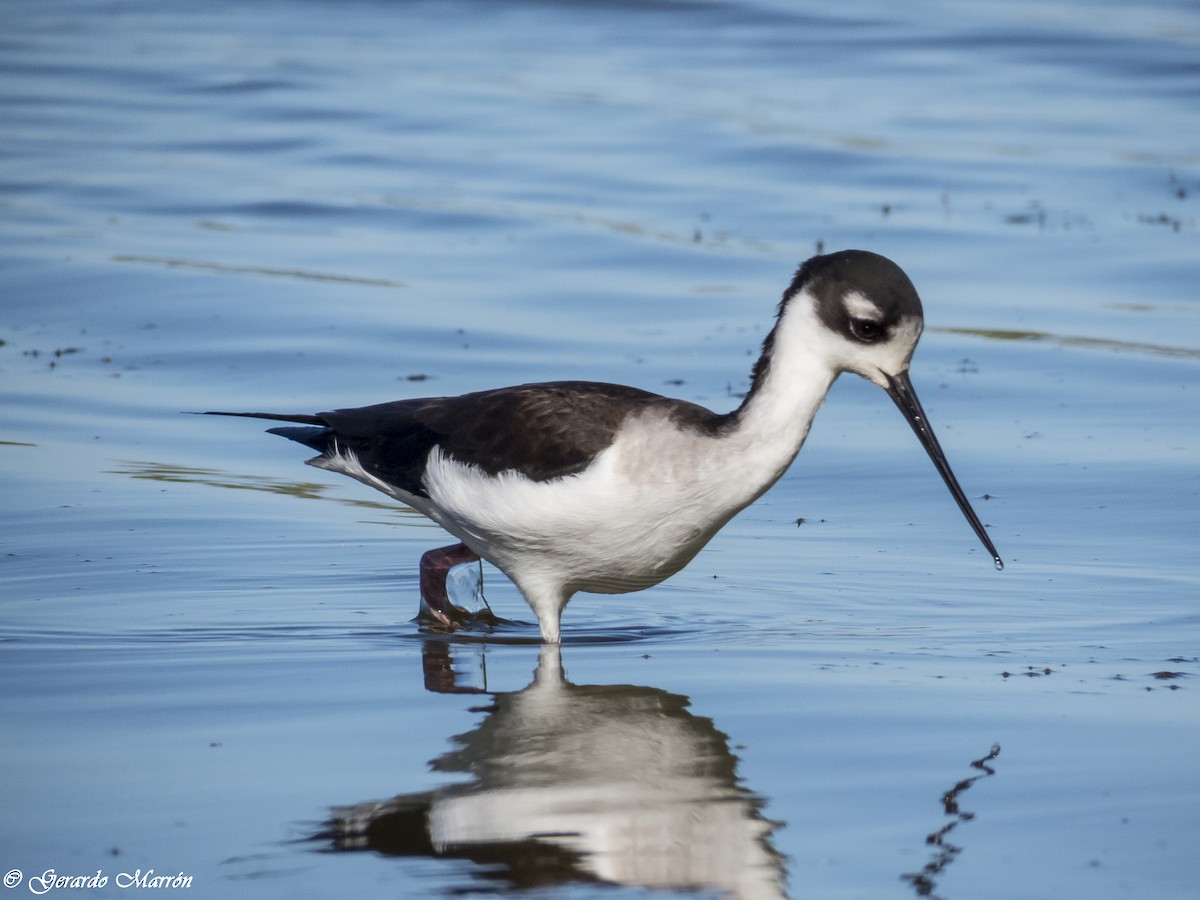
<point x="864" y="316"/>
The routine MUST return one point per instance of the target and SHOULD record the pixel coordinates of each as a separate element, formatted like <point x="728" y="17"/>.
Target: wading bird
<point x="582" y="486"/>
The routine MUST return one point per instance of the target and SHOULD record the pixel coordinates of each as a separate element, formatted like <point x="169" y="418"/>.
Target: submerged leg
<point x="435" y="601"/>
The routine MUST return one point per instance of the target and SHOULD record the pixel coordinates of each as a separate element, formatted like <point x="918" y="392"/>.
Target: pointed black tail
<point x="276" y="417"/>
<point x="315" y="437"/>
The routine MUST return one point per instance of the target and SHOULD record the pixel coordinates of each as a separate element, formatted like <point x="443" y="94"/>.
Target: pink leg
<point x="435" y="601"/>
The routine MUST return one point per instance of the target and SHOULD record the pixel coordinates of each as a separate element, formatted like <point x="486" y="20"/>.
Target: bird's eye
<point x="866" y="330"/>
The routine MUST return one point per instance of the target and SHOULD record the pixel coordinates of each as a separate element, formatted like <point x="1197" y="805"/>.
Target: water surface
<point x="208" y="663"/>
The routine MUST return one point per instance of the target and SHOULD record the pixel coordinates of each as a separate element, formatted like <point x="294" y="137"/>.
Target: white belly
<point x="586" y="532"/>
<point x="636" y="516"/>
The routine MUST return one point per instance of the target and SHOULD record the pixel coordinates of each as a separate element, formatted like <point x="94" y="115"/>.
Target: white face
<point x="875" y="349"/>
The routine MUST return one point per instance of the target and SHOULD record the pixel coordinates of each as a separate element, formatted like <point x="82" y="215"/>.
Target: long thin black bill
<point x="900" y="389"/>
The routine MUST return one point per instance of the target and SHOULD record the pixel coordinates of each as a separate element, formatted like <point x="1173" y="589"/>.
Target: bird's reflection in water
<point x="614" y="784"/>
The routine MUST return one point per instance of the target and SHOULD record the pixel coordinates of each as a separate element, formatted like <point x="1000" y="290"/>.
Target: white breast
<point x="638" y="514"/>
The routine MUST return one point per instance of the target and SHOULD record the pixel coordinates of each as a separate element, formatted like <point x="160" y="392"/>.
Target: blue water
<point x="207" y="663"/>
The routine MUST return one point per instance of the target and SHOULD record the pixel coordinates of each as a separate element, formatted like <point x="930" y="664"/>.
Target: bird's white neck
<point x="790" y="384"/>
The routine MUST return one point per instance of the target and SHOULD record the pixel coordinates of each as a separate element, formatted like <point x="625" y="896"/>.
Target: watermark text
<point x="53" y="880"/>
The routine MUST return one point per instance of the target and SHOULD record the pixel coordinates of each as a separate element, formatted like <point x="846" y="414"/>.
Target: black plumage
<point x="543" y="431"/>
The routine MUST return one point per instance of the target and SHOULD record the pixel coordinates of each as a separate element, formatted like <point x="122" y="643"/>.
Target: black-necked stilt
<point x="579" y="486"/>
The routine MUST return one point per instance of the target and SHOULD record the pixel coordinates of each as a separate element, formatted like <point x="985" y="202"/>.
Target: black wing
<point x="543" y="431"/>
